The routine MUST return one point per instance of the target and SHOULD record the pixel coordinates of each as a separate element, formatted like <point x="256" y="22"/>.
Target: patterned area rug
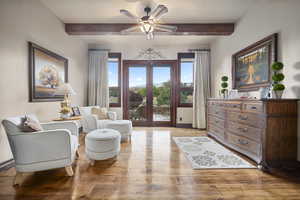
<point x="205" y="153"/>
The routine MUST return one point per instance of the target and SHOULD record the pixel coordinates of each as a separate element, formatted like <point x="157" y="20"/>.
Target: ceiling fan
<point x="149" y="23"/>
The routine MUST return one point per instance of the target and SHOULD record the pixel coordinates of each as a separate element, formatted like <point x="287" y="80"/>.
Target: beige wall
<point x="29" y="20"/>
<point x="263" y="19"/>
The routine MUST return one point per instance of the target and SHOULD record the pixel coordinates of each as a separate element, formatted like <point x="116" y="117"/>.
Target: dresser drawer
<point x="216" y="131"/>
<point x="253" y="107"/>
<point x="244" y="143"/>
<point x="216" y="111"/>
<point x="251" y="119"/>
<point x="234" y="106"/>
<point x="215" y="104"/>
<point x="214" y="121"/>
<point x="244" y="130"/>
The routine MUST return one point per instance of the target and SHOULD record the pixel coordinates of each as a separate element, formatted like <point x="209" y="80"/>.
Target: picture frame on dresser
<point x="251" y="66"/>
<point x="47" y="71"/>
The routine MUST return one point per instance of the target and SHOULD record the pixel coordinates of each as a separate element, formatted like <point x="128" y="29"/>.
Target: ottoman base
<point x="101" y="155"/>
<point x="102" y="144"/>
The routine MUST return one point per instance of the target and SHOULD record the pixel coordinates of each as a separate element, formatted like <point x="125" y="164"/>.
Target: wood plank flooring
<point x="149" y="167"/>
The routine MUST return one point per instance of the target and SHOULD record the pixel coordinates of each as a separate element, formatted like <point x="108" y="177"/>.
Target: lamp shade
<point x="65" y="89"/>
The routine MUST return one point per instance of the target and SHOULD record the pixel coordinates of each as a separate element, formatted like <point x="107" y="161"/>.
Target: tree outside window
<point x="114" y="79"/>
<point x="186" y="82"/>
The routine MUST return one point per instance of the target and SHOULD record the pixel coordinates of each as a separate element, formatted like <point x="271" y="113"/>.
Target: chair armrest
<point x="112" y="115"/>
<point x="42" y="146"/>
<point x="89" y="123"/>
<point x="69" y="125"/>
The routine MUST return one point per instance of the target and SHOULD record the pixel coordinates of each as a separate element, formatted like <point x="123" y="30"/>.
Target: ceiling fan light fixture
<point x="146" y="27"/>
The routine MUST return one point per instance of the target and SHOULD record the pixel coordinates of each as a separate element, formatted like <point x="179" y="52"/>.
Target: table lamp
<point x="66" y="90"/>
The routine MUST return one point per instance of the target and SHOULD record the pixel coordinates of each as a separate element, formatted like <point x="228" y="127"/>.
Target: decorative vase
<point x="277" y="94"/>
<point x="64" y="115"/>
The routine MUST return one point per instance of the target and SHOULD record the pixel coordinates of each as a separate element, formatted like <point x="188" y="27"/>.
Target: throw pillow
<point x="29" y="124"/>
<point x="100" y="112"/>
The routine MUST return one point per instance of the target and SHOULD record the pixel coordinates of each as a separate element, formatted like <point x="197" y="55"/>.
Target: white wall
<point x="29" y="20"/>
<point x="169" y="52"/>
<point x="263" y="19"/>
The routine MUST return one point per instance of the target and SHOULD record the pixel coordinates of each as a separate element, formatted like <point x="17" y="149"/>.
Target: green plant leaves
<point x="278" y="77"/>
<point x="278" y="86"/>
<point x="224" y="85"/>
<point x="276" y="66"/>
<point x="224" y="78"/>
<point x="223" y="91"/>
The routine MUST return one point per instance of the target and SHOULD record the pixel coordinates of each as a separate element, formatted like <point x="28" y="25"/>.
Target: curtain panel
<point x="98" y="91"/>
<point x="201" y="88"/>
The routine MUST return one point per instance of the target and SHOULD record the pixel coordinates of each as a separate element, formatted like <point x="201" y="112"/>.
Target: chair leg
<point x="77" y="153"/>
<point x="69" y="170"/>
<point x="92" y="162"/>
<point x="18" y="179"/>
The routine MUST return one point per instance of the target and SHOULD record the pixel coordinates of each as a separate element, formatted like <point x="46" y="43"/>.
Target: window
<point x="186" y="83"/>
<point x="114" y="79"/>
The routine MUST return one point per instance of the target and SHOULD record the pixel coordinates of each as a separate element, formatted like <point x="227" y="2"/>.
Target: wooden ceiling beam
<point x="182" y="29"/>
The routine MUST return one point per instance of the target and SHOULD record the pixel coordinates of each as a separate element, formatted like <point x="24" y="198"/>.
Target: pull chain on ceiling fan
<point x="149" y="23"/>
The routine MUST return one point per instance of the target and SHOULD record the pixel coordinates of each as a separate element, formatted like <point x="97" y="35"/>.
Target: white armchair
<point x="54" y="147"/>
<point x="91" y="122"/>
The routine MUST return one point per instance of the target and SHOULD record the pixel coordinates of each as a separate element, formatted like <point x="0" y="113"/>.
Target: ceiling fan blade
<point x="165" y="28"/>
<point x="150" y="36"/>
<point x="159" y="12"/>
<point x="156" y="10"/>
<point x="131" y="29"/>
<point x="128" y="14"/>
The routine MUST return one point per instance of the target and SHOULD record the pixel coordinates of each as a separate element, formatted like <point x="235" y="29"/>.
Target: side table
<point x="73" y="118"/>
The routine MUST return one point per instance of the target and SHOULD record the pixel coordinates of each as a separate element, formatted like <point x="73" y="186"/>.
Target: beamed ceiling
<point x="92" y="17"/>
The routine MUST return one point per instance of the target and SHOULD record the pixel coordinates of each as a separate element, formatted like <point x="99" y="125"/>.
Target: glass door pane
<point x="162" y="93"/>
<point x="137" y="93"/>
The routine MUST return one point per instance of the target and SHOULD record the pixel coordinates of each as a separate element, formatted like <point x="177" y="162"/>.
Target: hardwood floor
<point x="149" y="167"/>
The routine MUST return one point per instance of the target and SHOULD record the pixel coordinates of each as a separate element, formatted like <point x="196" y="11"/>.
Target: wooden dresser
<point x="263" y="130"/>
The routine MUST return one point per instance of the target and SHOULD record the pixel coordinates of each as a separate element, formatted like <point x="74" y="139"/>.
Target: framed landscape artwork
<point x="251" y="66"/>
<point x="47" y="71"/>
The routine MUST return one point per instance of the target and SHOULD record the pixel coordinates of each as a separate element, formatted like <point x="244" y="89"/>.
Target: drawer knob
<point x="243" y="117"/>
<point x="243" y="129"/>
<point x="243" y="141"/>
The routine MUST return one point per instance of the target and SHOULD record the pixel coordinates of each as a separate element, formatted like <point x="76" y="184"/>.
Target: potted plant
<point x="224" y="85"/>
<point x="277" y="77"/>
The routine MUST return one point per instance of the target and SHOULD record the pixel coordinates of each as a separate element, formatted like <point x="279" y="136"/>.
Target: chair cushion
<point x="100" y="112"/>
<point x="85" y="111"/>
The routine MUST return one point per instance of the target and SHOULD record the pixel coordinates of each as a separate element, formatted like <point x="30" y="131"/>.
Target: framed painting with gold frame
<point x="251" y="66"/>
<point x="47" y="71"/>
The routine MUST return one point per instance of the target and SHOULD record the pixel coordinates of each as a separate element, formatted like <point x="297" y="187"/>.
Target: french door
<point x="149" y="92"/>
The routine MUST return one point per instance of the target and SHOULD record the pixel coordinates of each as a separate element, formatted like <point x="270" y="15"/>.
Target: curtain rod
<point x="198" y="49"/>
<point x="99" y="49"/>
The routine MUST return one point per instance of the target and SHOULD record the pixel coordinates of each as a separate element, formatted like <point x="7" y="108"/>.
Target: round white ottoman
<point x="102" y="144"/>
<point x="123" y="126"/>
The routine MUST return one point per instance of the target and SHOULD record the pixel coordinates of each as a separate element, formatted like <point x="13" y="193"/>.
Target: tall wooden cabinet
<point x="263" y="130"/>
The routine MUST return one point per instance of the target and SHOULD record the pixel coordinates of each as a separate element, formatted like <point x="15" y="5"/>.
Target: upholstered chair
<point x="54" y="147"/>
<point x="91" y="122"/>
